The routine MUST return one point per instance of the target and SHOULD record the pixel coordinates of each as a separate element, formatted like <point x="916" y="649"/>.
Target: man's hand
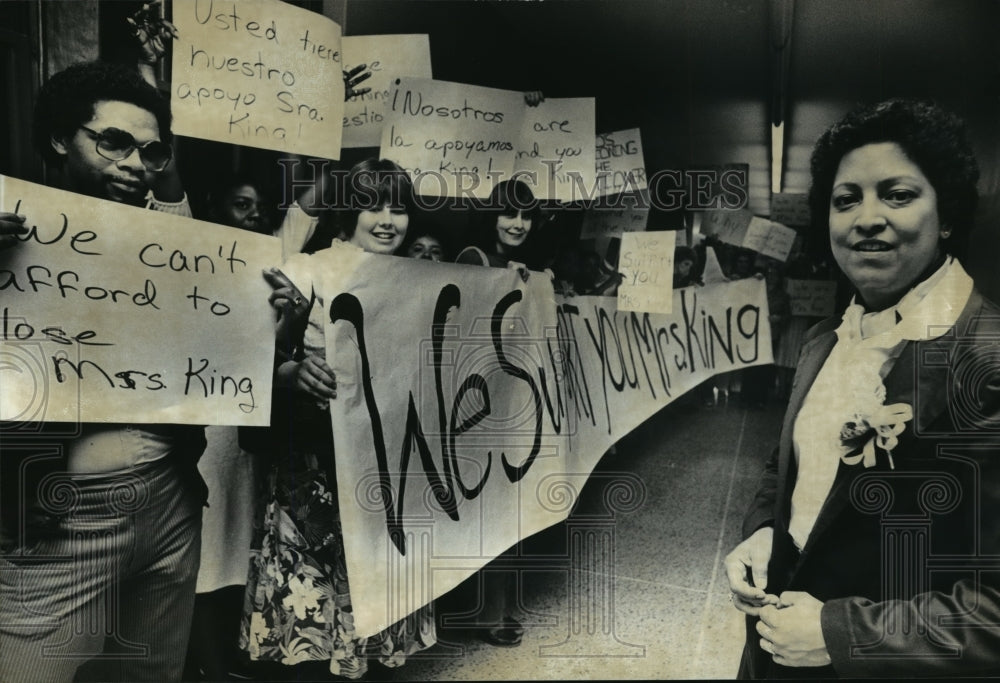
<point x="152" y="32"/>
<point x="352" y="78"/>
<point x="792" y="632"/>
<point x="285" y="297"/>
<point x="11" y="225"/>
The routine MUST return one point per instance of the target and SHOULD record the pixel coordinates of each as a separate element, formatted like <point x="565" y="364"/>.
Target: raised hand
<point x="152" y="32"/>
<point x="352" y="78"/>
<point x="533" y="98"/>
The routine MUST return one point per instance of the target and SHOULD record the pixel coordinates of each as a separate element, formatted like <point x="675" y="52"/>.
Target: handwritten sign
<point x="260" y="73"/>
<point x="483" y="432"/>
<point x="116" y="313"/>
<point x="603" y="222"/>
<point x="554" y="147"/>
<point x="620" y="164"/>
<point x="727" y="226"/>
<point x="790" y="208"/>
<point x="450" y="136"/>
<point x="458" y="140"/>
<point x="388" y="57"/>
<point x="769" y="238"/>
<point x="812" y="297"/>
<point x="647" y="262"/>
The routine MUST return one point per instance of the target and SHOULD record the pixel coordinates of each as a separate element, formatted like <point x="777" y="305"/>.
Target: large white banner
<point x="468" y="436"/>
<point x="113" y="313"/>
<point x="260" y="73"/>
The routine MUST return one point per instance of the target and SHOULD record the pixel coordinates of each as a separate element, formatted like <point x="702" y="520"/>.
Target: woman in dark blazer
<point x="872" y="547"/>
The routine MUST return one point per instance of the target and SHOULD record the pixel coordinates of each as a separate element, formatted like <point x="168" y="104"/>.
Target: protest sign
<point x="726" y="226"/>
<point x="387" y="58"/>
<point x="812" y="297"/>
<point x="790" y="208"/>
<point x="450" y="136"/>
<point x="480" y="430"/>
<point x="647" y="263"/>
<point x="113" y="313"/>
<point x="459" y="140"/>
<point x="260" y="73"/>
<point x="769" y="238"/>
<point x="629" y="215"/>
<point x="620" y="164"/>
<point x="743" y="229"/>
<point x="554" y="148"/>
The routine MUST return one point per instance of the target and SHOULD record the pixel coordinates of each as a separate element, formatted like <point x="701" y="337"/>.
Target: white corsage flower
<point x="880" y="428"/>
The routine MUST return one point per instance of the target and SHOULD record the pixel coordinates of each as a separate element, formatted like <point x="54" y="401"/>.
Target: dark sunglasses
<point x="115" y="145"/>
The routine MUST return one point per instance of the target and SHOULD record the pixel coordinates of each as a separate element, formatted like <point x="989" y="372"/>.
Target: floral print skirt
<point x="297" y="605"/>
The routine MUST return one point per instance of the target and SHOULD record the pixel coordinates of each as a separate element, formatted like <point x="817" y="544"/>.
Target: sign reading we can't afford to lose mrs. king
<point x="112" y="313"/>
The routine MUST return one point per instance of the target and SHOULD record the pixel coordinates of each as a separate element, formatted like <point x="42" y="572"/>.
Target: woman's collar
<point x="927" y="311"/>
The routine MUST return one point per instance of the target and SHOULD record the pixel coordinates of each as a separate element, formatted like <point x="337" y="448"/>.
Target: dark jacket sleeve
<point x="934" y="634"/>
<point x="761" y="511"/>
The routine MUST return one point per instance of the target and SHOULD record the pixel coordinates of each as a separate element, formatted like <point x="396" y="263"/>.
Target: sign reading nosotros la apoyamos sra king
<point x="121" y="314"/>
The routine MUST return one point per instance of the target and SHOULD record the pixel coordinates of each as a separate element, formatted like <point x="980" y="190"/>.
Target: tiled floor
<point x="637" y="592"/>
<point x="631" y="586"/>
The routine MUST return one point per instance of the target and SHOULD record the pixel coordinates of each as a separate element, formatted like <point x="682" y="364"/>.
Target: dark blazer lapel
<point x="920" y="375"/>
<point x="923" y="364"/>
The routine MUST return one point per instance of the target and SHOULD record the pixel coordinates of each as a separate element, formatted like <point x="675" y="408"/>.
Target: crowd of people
<point x="893" y="195"/>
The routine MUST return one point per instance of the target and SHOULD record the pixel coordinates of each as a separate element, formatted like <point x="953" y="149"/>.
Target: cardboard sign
<point x="604" y="222"/>
<point x="554" y="147"/>
<point x="769" y="238"/>
<point x="814" y="298"/>
<point x="260" y="73"/>
<point x="620" y="164"/>
<point x="727" y="226"/>
<point x="647" y="262"/>
<point x="459" y="140"/>
<point x="790" y="208"/>
<point x="388" y="58"/>
<point x="461" y="437"/>
<point x="113" y="313"/>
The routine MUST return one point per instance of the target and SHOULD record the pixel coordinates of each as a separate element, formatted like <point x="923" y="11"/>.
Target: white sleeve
<point x="295" y="230"/>
<point x="181" y="208"/>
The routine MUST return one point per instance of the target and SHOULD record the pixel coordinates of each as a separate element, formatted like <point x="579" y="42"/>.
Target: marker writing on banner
<point x="443" y="481"/>
<point x="700" y="337"/>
